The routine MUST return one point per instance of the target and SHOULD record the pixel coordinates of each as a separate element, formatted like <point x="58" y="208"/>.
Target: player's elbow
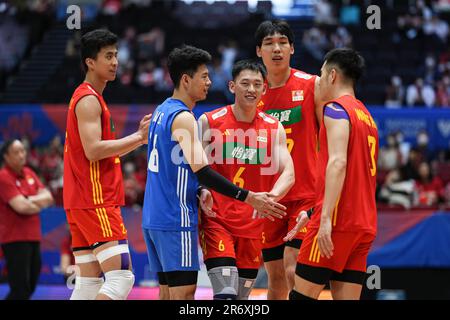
<point x="339" y="163"/>
<point x="91" y="155"/>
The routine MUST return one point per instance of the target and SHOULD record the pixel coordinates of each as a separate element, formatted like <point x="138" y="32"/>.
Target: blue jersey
<point x="170" y="201"/>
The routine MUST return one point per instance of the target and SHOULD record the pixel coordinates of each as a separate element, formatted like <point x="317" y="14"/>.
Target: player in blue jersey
<point x="176" y="166"/>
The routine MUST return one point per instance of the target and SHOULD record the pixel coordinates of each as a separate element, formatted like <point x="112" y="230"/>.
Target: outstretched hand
<point x="206" y="203"/>
<point x="265" y="206"/>
<point x="302" y="220"/>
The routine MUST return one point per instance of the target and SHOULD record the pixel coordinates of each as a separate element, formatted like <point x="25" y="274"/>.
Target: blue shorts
<point x="172" y="250"/>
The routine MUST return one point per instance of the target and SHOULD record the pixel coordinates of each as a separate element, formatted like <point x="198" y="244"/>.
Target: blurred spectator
<point x="341" y="38"/>
<point x="389" y="156"/>
<point x="219" y="78"/>
<point x="163" y="82"/>
<point x="395" y="93"/>
<point x="229" y="51"/>
<point x="324" y="12"/>
<point x="422" y="146"/>
<point x="398" y="190"/>
<point x="151" y="44"/>
<point x="145" y="77"/>
<point x="420" y="94"/>
<point x="134" y="191"/>
<point x="404" y="147"/>
<point x="127" y="46"/>
<point x="111" y="7"/>
<point x="430" y="69"/>
<point x="316" y="42"/>
<point x="13" y="42"/>
<point x="443" y="92"/>
<point x="430" y="189"/>
<point x="436" y="27"/>
<point x="410" y="169"/>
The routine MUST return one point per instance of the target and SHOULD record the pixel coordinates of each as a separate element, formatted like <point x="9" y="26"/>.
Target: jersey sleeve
<point x="335" y="111"/>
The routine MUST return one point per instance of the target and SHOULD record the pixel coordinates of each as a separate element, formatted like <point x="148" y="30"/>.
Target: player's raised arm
<point x="88" y="111"/>
<point x="285" y="164"/>
<point x="185" y="131"/>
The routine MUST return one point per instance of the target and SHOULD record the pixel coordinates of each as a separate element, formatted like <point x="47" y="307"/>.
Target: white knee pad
<point x="224" y="281"/>
<point x="118" y="284"/>
<point x="86" y="288"/>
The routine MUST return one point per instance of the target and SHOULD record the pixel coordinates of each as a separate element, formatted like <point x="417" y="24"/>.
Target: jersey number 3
<point x="372" y="144"/>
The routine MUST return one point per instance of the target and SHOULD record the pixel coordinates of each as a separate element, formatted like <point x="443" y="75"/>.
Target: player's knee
<point x="118" y="284"/>
<point x="86" y="288"/>
<point x="245" y="288"/>
<point x="120" y="250"/>
<point x="224" y="281"/>
<point x="290" y="272"/>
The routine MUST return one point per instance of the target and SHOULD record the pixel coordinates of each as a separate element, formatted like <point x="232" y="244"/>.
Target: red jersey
<point x="356" y="208"/>
<point x="16" y="227"/>
<point x="244" y="162"/>
<point x="90" y="184"/>
<point x="293" y="105"/>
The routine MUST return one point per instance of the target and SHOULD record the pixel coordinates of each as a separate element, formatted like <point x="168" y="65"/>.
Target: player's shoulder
<point x="266" y="117"/>
<point x="3" y="174"/>
<point x="299" y="75"/>
<point x="218" y="113"/>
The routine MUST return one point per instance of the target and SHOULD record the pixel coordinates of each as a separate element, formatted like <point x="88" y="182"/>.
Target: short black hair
<point x="93" y="42"/>
<point x="248" y="64"/>
<point x="185" y="60"/>
<point x="4" y="149"/>
<point x="270" y="27"/>
<point x="350" y="62"/>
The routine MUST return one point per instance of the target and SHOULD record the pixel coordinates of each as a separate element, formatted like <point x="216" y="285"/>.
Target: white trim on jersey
<point x="186" y="249"/>
<point x="182" y="182"/>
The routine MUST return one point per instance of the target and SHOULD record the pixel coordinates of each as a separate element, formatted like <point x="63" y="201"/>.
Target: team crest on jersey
<point x="30" y="181"/>
<point x="302" y="75"/>
<point x="219" y="114"/>
<point x="266" y="118"/>
<point x="297" y="95"/>
<point x="261" y="139"/>
<point x="260" y="104"/>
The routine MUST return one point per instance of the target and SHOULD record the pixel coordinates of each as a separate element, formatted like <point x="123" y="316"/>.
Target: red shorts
<point x="350" y="251"/>
<point x="275" y="231"/>
<point x="218" y="243"/>
<point x="89" y="226"/>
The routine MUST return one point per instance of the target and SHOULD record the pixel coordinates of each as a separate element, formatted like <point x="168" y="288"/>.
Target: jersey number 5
<point x="289" y="142"/>
<point x="153" y="159"/>
<point x="372" y="144"/>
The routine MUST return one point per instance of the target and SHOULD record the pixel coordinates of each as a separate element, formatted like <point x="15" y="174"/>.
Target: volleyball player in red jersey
<point x="249" y="148"/>
<point x="291" y="98"/>
<point x="344" y="223"/>
<point x="93" y="187"/>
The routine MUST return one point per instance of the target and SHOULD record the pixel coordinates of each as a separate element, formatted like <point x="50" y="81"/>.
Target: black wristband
<point x="213" y="180"/>
<point x="310" y="212"/>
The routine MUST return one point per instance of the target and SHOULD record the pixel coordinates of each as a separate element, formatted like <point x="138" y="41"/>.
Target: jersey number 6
<point x="153" y="159"/>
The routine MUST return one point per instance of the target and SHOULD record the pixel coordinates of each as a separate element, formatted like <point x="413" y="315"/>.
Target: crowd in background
<point x="409" y="175"/>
